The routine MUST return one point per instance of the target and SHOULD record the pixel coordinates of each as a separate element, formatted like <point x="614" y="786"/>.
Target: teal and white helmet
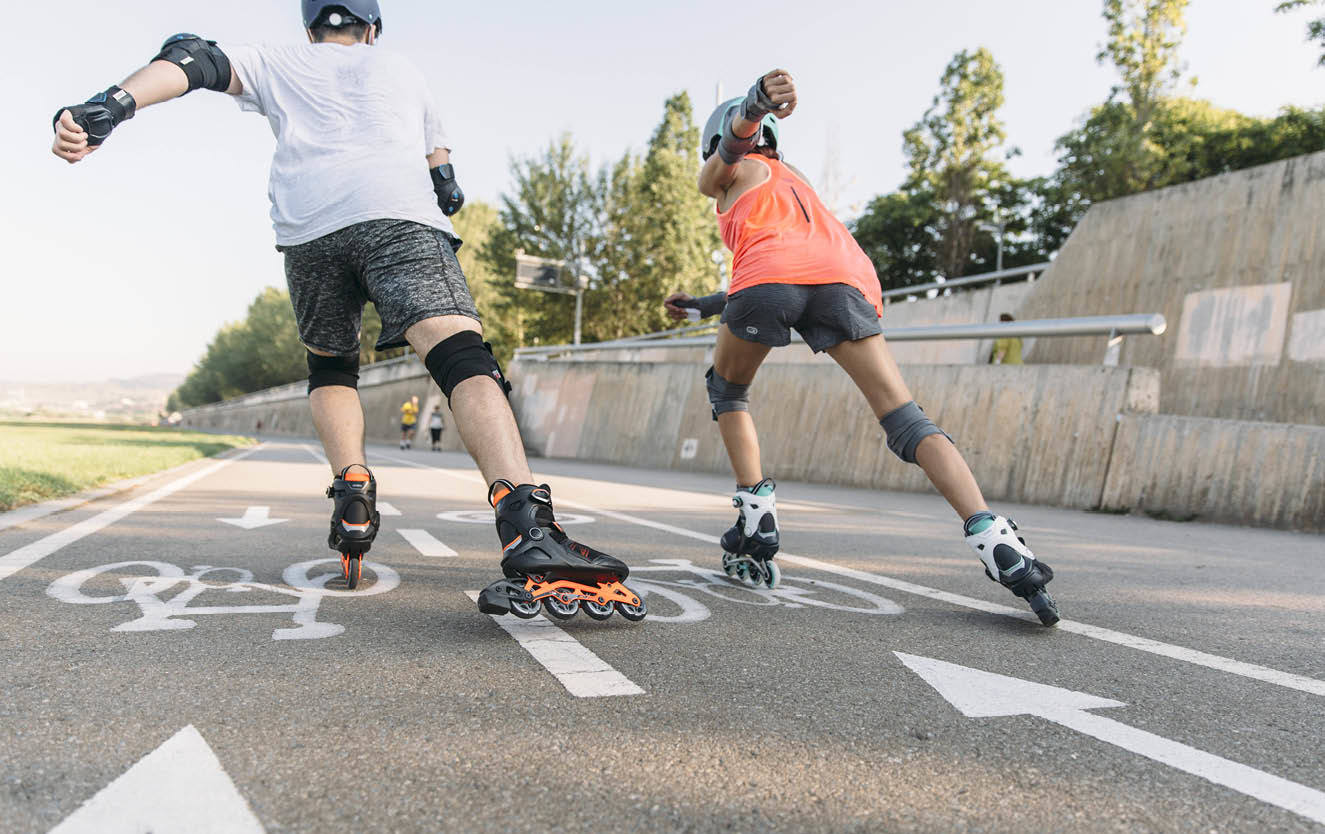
<point x="768" y="128"/>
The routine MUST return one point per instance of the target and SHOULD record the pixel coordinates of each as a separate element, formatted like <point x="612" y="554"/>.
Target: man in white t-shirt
<point x="361" y="191"/>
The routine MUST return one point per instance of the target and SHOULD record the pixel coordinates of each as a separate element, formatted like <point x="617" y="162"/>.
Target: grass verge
<point x="39" y="461"/>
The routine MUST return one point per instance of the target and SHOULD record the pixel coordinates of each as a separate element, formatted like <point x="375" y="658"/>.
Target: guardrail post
<point x="1113" y="349"/>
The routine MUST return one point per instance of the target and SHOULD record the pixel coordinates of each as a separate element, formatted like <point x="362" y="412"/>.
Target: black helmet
<point x="366" y="10"/>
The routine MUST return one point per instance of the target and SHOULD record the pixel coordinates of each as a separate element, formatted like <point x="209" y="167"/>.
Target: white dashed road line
<point x="583" y="673"/>
<point x="426" y="543"/>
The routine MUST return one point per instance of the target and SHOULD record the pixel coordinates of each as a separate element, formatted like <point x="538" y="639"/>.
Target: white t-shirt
<point x="353" y="125"/>
<point x="435" y="421"/>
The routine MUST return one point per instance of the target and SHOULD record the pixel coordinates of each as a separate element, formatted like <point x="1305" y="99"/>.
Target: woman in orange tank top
<point x="795" y="266"/>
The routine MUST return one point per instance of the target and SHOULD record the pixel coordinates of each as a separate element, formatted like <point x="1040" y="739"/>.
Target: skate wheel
<point x="353" y="564"/>
<point x="598" y="610"/>
<point x="1044" y="607"/>
<point x="729" y="564"/>
<point x="772" y="574"/>
<point x="524" y="610"/>
<point x="559" y="608"/>
<point x="633" y="613"/>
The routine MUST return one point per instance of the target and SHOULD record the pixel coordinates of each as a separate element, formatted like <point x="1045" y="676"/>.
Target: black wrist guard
<point x="733" y="148"/>
<point x="757" y="104"/>
<point x="100" y="114"/>
<point x="449" y="196"/>
<point x="709" y="305"/>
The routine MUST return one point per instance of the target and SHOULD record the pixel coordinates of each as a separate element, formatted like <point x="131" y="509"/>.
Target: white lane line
<point x="426" y="543"/>
<point x="16" y="561"/>
<point x="1288" y="680"/>
<point x="315" y="453"/>
<point x="387" y="509"/>
<point x="583" y="673"/>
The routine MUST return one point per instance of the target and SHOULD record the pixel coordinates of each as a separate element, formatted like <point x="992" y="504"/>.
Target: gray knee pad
<point x="906" y="426"/>
<point x="726" y="396"/>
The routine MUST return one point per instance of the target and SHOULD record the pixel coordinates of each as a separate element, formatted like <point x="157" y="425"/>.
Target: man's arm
<point x="774" y="93"/>
<point x="185" y="63"/>
<point x="677" y="303"/>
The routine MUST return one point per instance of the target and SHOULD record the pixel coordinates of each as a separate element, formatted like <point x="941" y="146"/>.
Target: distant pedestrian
<point x="1006" y="351"/>
<point x="435" y="426"/>
<point x="409" y="418"/>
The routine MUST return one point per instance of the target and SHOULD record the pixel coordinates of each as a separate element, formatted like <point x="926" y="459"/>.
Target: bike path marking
<point x="978" y="694"/>
<point x="426" y="543"/>
<point x="30" y="554"/>
<point x="583" y="673"/>
<point x="383" y="508"/>
<point x="253" y="518"/>
<point x="1288" y="680"/>
<point x="179" y="786"/>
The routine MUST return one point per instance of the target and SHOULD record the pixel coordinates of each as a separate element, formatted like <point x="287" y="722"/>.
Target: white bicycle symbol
<point x="149" y="592"/>
<point x="794" y="592"/>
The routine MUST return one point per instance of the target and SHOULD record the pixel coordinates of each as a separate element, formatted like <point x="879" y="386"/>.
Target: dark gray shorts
<point x="408" y="270"/>
<point x="824" y="314"/>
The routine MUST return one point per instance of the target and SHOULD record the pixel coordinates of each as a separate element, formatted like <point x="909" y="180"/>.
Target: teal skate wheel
<point x="772" y="574"/>
<point x="729" y="564"/>
<point x="559" y="608"/>
<point x="598" y="610"/>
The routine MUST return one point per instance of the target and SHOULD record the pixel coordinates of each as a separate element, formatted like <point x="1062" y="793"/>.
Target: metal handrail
<point x="982" y="278"/>
<point x="1152" y="324"/>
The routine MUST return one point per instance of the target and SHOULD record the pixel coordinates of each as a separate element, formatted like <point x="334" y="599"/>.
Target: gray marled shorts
<point x="824" y="314"/>
<point x="408" y="270"/>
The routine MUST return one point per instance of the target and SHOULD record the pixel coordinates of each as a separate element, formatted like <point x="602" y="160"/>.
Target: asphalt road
<point x="221" y="681"/>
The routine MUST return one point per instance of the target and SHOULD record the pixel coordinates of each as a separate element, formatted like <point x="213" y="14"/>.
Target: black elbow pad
<point x="202" y="61"/>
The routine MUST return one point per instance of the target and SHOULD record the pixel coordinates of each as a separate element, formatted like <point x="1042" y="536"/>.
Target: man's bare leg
<point x="870" y="365"/>
<point x="338" y="418"/>
<point x="482" y="414"/>
<point x="737" y="360"/>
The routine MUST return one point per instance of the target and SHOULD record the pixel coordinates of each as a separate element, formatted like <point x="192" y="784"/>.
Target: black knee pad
<point x="726" y="396"/>
<point x="905" y="427"/>
<point x="460" y="357"/>
<point x="332" y="370"/>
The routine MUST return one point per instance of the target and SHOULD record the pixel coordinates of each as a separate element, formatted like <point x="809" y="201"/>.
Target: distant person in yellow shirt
<point x="409" y="417"/>
<point x="1006" y="351"/>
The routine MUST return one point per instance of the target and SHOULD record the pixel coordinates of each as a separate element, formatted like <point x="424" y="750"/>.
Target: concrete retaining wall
<point x="1268" y="474"/>
<point x="1235" y="264"/>
<point x="1031" y="434"/>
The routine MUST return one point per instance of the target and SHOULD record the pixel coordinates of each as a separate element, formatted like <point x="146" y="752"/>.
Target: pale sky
<point x="128" y="262"/>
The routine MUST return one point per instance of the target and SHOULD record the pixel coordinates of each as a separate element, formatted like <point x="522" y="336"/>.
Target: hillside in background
<point x="136" y="398"/>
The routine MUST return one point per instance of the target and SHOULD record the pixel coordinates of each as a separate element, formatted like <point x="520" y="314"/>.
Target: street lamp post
<point x="998" y="227"/>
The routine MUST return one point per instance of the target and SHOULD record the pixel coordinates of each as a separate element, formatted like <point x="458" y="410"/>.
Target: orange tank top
<point x="779" y="232"/>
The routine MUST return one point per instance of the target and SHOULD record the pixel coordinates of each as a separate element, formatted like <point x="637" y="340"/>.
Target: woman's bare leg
<point x="870" y="364"/>
<point x="736" y="360"/>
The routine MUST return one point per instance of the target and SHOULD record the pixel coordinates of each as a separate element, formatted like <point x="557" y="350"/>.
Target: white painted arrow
<point x="179" y="786"/>
<point x="978" y="694"/>
<point x="254" y="517"/>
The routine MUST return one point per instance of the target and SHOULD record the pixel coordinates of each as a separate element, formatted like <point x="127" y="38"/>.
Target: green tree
<point x="1315" y="27"/>
<point x="1143" y="41"/>
<point x="951" y="155"/>
<point x="659" y="231"/>
<point x="555" y="211"/>
<point x="259" y="352"/>
<point x="900" y="233"/>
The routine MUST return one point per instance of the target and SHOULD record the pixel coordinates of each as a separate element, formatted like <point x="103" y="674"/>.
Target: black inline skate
<point x="749" y="546"/>
<point x="543" y="565"/>
<point x="1011" y="563"/>
<point x="354" y="521"/>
